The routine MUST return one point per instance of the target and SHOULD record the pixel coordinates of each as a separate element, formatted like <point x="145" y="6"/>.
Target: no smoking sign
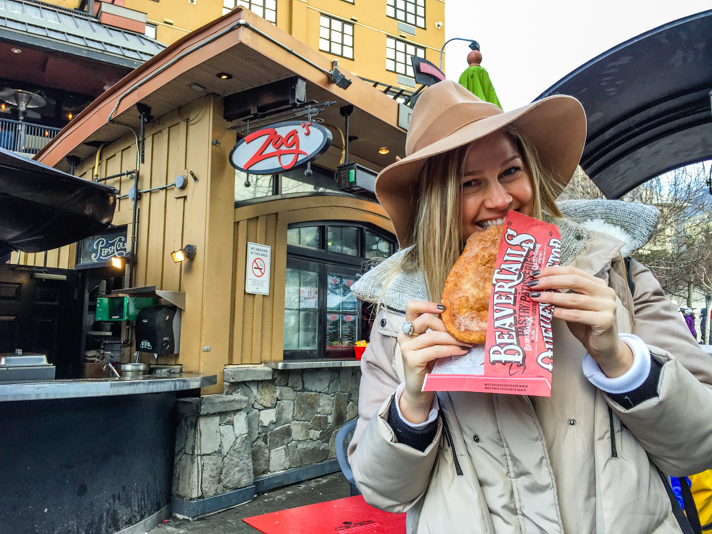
<point x="258" y="267"/>
<point x="258" y="263"/>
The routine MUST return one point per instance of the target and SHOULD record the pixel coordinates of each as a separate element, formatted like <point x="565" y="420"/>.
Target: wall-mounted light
<point x="118" y="262"/>
<point x="337" y="77"/>
<point x="185" y="253"/>
<point x="224" y="75"/>
<point x="383" y="150"/>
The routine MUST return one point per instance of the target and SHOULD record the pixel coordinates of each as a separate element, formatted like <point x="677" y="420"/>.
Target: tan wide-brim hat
<point x="448" y="116"/>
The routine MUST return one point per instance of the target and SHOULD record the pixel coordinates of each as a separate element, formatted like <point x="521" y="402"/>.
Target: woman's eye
<point x="512" y="171"/>
<point x="470" y="183"/>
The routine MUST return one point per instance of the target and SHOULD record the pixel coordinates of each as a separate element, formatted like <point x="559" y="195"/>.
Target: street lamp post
<point x="474" y="45"/>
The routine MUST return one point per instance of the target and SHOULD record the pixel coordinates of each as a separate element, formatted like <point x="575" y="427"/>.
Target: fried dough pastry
<point x="468" y="286"/>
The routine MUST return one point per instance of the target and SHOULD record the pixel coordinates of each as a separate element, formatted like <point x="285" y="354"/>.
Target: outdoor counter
<point x="91" y="455"/>
<point x="101" y="387"/>
<point x="312" y="364"/>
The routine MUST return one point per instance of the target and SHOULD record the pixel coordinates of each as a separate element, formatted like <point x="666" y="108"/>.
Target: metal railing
<point x="397" y="93"/>
<point x="24" y="137"/>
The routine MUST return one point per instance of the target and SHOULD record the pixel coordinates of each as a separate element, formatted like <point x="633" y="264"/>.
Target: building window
<point x="336" y="37"/>
<point x="408" y="11"/>
<point x="293" y="182"/>
<point x="150" y="31"/>
<point x="398" y="54"/>
<point x="322" y="318"/>
<point x="267" y="9"/>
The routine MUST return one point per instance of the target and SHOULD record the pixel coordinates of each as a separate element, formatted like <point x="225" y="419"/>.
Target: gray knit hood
<point x="629" y="222"/>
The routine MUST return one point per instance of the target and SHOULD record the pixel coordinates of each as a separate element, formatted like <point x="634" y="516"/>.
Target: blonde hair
<point x="436" y="227"/>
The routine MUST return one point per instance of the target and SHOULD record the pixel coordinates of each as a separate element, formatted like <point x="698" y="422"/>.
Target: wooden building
<point x="284" y="357"/>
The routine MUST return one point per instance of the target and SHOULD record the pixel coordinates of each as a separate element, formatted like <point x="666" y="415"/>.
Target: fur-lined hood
<point x="630" y="223"/>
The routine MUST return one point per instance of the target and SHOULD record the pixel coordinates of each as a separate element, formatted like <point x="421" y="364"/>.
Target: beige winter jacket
<point x="566" y="463"/>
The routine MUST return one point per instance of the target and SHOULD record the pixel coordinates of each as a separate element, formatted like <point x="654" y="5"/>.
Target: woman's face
<point x="495" y="181"/>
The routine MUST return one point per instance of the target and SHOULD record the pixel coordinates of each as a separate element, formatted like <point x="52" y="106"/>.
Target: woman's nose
<point x="497" y="197"/>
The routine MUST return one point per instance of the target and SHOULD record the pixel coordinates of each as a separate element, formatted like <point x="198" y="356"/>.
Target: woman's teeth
<point x="487" y="224"/>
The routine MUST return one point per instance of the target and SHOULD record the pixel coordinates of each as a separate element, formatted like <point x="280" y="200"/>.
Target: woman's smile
<point x="495" y="181"/>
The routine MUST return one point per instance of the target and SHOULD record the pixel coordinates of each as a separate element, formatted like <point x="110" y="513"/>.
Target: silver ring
<point x="408" y="329"/>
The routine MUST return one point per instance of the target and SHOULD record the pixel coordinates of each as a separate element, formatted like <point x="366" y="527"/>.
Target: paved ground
<point x="322" y="489"/>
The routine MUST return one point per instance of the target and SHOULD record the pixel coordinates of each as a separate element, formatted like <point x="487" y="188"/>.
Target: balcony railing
<point x="23" y="137"/>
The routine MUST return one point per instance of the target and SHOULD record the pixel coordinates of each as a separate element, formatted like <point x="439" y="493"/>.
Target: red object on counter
<point x="359" y="352"/>
<point x="344" y="516"/>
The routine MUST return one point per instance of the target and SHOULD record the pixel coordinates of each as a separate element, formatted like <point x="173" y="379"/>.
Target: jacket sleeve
<point x="675" y="427"/>
<point x="390" y="475"/>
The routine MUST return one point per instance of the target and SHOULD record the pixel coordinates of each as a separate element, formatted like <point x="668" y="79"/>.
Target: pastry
<point x="467" y="290"/>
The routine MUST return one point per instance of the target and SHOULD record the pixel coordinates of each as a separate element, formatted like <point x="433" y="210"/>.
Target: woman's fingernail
<point x="441" y="307"/>
<point x="535" y="294"/>
<point x="536" y="272"/>
<point x="532" y="283"/>
<point x="466" y="348"/>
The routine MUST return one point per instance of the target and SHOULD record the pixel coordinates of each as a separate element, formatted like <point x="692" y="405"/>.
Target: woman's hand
<point x="588" y="306"/>
<point x="420" y="351"/>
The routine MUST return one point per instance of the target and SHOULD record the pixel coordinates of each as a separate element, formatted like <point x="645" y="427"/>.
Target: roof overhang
<point x="255" y="52"/>
<point x="647" y="102"/>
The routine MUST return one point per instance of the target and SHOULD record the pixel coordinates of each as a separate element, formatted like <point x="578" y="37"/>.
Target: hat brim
<point x="556" y="126"/>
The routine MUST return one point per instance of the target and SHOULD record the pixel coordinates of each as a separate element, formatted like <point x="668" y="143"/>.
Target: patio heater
<point x="24" y="101"/>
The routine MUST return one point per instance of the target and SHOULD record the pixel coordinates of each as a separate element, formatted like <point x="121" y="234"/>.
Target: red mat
<point x="343" y="516"/>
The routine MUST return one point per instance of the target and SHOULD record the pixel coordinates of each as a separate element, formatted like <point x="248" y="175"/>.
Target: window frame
<point x="155" y="31"/>
<point x="341" y="32"/>
<point x="393" y="4"/>
<point x="408" y="64"/>
<point x="240" y="3"/>
<point x="325" y="263"/>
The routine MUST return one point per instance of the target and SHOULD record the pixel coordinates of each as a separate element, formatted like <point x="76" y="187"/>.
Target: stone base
<point x="201" y="507"/>
<point x="195" y="509"/>
<point x="270" y="428"/>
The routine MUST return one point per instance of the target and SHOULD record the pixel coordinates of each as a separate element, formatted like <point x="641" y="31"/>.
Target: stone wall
<point x="266" y="421"/>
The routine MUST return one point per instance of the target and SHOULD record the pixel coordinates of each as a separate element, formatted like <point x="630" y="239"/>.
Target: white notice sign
<point x="258" y="262"/>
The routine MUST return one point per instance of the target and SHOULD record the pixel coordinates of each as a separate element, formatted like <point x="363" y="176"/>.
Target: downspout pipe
<point x="97" y="161"/>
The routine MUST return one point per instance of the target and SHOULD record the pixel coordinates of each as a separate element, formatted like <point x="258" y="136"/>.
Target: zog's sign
<point x="281" y="147"/>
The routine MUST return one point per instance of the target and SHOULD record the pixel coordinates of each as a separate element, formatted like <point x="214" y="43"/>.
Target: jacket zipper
<point x="614" y="451"/>
<point x="450" y="442"/>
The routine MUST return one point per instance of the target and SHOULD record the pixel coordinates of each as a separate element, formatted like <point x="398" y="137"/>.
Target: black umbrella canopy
<point x="647" y="101"/>
<point x="42" y="208"/>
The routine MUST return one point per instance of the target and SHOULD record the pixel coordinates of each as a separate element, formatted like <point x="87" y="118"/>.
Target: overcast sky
<point x="528" y="45"/>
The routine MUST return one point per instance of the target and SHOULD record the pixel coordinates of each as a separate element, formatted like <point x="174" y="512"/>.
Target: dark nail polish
<point x="532" y="283"/>
<point x="441" y="307"/>
<point x="536" y="272"/>
<point x="535" y="294"/>
<point x="466" y="348"/>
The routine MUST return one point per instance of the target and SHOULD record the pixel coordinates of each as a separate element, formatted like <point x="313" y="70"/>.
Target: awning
<point x="647" y="101"/>
<point x="42" y="208"/>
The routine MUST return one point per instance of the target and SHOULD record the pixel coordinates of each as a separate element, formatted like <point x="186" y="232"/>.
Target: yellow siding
<point x="300" y="18"/>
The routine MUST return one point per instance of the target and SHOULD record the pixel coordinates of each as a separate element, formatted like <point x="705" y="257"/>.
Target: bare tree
<point x="581" y="187"/>
<point x="680" y="252"/>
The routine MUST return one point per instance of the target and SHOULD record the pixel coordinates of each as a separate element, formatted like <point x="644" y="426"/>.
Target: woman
<point x="583" y="460"/>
